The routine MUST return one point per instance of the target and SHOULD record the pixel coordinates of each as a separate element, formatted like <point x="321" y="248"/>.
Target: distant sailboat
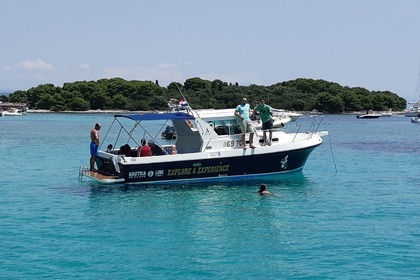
<point x="387" y="113"/>
<point x="415" y="105"/>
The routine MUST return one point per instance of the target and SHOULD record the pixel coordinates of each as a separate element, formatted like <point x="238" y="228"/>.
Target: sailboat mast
<point x="417" y="92"/>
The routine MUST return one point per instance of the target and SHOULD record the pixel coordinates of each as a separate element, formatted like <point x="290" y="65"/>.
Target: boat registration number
<point x="232" y="143"/>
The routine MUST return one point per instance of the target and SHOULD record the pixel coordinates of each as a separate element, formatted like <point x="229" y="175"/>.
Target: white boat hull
<point x="278" y="122"/>
<point x="236" y="162"/>
<point x="412" y="114"/>
<point x="286" y="114"/>
<point x="210" y="149"/>
<point x="369" y="116"/>
<point x="11" y="112"/>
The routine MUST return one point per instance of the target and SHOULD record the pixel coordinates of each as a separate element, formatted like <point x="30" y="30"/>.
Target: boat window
<point x="226" y="127"/>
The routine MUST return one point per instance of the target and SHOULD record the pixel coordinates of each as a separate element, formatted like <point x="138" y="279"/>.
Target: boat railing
<point x="313" y="128"/>
<point x="82" y="171"/>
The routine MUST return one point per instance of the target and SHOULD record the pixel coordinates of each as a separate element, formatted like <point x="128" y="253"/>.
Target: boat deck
<point x="101" y="177"/>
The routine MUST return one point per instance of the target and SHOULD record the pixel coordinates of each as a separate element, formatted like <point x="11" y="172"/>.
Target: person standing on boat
<point x="144" y="150"/>
<point x="94" y="145"/>
<point x="267" y="121"/>
<point x="242" y="112"/>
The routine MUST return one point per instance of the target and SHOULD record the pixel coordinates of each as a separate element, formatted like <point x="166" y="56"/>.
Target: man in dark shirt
<point x="156" y="150"/>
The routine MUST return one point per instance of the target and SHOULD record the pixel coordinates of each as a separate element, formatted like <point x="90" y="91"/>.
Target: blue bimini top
<point x="156" y="116"/>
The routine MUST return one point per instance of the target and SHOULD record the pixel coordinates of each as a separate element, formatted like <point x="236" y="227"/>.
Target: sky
<point x="373" y="44"/>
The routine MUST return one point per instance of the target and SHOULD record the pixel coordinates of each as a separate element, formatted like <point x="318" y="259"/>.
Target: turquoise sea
<point x="353" y="212"/>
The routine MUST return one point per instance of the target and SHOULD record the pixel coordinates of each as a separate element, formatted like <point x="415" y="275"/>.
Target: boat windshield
<point x="226" y="127"/>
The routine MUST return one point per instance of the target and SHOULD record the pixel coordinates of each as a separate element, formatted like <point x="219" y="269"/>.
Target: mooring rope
<point x="332" y="153"/>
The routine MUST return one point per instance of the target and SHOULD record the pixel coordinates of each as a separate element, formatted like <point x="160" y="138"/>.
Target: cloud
<point x="28" y="74"/>
<point x="167" y="66"/>
<point x="84" y="66"/>
<point x="7" y="68"/>
<point x="37" y="65"/>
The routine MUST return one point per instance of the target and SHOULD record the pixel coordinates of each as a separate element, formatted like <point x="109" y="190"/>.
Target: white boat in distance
<point x="208" y="146"/>
<point x="414" y="110"/>
<point x="12" y="112"/>
<point x="369" y="115"/>
<point x="278" y="122"/>
<point x="287" y="114"/>
<point x="387" y="113"/>
<point x="415" y="120"/>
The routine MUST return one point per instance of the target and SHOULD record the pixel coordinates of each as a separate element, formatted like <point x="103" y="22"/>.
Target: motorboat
<point x="369" y="115"/>
<point x="278" y="122"/>
<point x="286" y="114"/>
<point x="13" y="109"/>
<point x="279" y="119"/>
<point x="414" y="110"/>
<point x="208" y="147"/>
<point x="12" y="112"/>
<point x="169" y="132"/>
<point x="175" y="105"/>
<point x="415" y="119"/>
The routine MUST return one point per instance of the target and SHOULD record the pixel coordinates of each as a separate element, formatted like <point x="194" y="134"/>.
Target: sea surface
<point x="352" y="213"/>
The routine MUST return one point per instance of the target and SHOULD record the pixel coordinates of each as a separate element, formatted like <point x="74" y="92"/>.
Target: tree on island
<point x="119" y="94"/>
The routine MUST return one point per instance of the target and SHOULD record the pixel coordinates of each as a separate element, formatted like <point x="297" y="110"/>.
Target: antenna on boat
<point x="183" y="97"/>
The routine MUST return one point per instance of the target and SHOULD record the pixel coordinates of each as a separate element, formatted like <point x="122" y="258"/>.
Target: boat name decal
<point x="143" y="174"/>
<point x="198" y="170"/>
<point x="179" y="171"/>
<point x="136" y="174"/>
<point x="212" y="169"/>
<point x="159" y="173"/>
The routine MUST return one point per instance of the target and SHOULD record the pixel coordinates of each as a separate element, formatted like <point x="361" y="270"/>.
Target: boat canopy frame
<point x="138" y="118"/>
<point x="156" y="117"/>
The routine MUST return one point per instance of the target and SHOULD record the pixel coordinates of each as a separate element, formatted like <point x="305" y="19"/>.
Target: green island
<point x="118" y="94"/>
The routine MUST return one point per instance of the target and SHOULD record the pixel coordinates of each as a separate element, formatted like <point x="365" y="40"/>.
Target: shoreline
<point x="87" y="112"/>
<point x="143" y="112"/>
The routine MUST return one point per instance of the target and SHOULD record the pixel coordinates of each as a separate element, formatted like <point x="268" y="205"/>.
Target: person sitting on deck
<point x="156" y="150"/>
<point x="125" y="150"/>
<point x="144" y="150"/>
